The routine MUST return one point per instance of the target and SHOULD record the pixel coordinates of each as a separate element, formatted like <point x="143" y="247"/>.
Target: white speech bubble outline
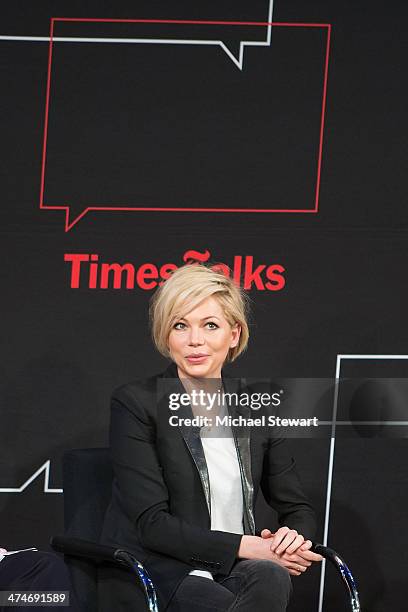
<point x="238" y="61"/>
<point x="46" y="489"/>
<point x="334" y="422"/>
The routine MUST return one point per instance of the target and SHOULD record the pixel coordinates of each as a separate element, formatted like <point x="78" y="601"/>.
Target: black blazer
<point x="160" y="507"/>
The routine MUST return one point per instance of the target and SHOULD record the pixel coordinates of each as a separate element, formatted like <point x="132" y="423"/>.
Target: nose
<point x="196" y="336"/>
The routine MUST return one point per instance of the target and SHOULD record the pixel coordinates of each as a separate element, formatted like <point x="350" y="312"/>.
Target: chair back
<point x="87" y="483"/>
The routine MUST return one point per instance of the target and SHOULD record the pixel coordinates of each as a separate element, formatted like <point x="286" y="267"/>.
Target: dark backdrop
<point x="166" y="126"/>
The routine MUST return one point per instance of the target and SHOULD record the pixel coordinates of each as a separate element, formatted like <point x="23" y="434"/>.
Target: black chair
<point x="87" y="482"/>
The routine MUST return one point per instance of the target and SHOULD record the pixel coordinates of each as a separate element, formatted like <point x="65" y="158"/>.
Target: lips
<point x="196" y="358"/>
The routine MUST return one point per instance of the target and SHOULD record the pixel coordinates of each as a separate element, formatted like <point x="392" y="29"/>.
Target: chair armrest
<point x="78" y="547"/>
<point x="341" y="566"/>
<point x="97" y="552"/>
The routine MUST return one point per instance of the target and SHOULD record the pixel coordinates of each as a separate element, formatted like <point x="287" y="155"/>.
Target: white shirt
<point x="225" y="484"/>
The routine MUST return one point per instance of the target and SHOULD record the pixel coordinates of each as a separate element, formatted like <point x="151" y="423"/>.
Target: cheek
<point x="222" y="342"/>
<point x="173" y="342"/>
<point x="177" y="342"/>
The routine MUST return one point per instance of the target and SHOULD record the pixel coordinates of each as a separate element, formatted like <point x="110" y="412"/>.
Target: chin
<point x="199" y="371"/>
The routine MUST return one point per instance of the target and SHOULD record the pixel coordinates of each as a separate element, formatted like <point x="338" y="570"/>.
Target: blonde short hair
<point x="185" y="289"/>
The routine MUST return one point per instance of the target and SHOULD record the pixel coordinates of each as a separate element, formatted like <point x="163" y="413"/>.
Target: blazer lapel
<point x="243" y="445"/>
<point x="191" y="435"/>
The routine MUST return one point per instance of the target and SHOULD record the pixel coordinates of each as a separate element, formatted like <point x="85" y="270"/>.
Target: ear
<point x="236" y="333"/>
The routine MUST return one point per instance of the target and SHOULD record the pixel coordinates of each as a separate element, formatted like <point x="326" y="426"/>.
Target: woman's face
<point x="199" y="342"/>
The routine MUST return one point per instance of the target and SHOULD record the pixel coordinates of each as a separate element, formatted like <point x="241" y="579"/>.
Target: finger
<point x="309" y="555"/>
<point x="266" y="533"/>
<point x="298" y="568"/>
<point x="296" y="559"/>
<point x="307" y="545"/>
<point x="294" y="573"/>
<point x="278" y="537"/>
<point x="287" y="541"/>
<point x="297" y="542"/>
<point x="305" y="563"/>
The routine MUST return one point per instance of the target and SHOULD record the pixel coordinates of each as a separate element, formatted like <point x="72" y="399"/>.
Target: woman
<point x="183" y="502"/>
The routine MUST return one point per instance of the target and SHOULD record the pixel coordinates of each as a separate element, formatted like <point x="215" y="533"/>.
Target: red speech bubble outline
<point x="69" y="223"/>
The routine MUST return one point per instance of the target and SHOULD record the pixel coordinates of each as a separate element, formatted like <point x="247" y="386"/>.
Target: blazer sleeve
<point x="283" y="491"/>
<point x="144" y="496"/>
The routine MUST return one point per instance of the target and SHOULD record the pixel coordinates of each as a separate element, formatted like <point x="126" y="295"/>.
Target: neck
<point x="210" y="385"/>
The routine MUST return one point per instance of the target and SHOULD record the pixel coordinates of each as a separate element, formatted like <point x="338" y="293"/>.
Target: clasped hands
<point x="291" y="550"/>
<point x="285" y="547"/>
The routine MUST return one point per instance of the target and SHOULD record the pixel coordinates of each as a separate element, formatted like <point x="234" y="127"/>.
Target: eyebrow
<point x="203" y="319"/>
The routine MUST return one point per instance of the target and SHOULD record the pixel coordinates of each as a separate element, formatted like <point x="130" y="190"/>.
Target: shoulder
<point x="133" y="389"/>
<point x="140" y="393"/>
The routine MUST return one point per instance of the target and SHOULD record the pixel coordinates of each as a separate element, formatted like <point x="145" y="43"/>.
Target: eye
<point x="179" y="325"/>
<point x="214" y="325"/>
